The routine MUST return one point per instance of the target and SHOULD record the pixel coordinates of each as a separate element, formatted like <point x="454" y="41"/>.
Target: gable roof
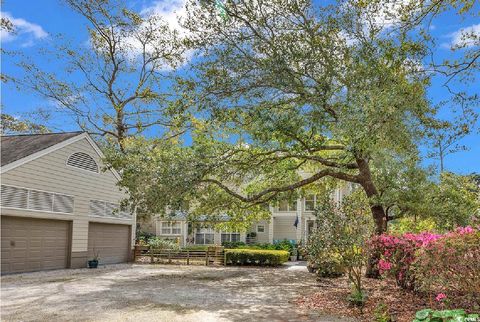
<point x="16" y="147"/>
<point x="19" y="149"/>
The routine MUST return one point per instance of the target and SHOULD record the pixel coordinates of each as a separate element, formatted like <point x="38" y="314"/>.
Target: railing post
<point x="206" y="256"/>
<point x="168" y="256"/>
<point x="188" y="257"/>
<point x="151" y="255"/>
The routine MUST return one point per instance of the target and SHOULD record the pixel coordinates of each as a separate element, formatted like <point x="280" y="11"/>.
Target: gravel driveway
<point x="133" y="292"/>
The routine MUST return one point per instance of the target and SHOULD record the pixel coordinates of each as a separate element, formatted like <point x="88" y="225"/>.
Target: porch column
<point x="185" y="233"/>
<point x="298" y="230"/>
<point x="270" y="226"/>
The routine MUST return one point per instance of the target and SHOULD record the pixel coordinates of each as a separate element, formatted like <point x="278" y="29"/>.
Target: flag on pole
<point x="296" y="222"/>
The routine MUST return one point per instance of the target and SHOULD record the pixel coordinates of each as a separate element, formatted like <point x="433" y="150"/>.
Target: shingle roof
<point x="16" y="147"/>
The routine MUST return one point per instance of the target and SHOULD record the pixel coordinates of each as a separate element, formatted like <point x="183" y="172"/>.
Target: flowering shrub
<point x="443" y="264"/>
<point x="451" y="265"/>
<point x="398" y="254"/>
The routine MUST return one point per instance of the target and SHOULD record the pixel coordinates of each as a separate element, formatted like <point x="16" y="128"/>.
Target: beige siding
<point x="283" y="228"/>
<point x="50" y="173"/>
<point x="262" y="237"/>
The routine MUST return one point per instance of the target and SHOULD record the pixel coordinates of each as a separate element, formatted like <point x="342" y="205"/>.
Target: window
<point x="310" y="202"/>
<point x="285" y="205"/>
<point x="82" y="161"/>
<point x="100" y="208"/>
<point x="230" y="237"/>
<point x="171" y="228"/>
<point x="204" y="237"/>
<point x="24" y="198"/>
<point x="260" y="228"/>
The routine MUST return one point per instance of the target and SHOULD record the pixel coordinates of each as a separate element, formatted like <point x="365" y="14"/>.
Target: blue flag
<point x="296" y="222"/>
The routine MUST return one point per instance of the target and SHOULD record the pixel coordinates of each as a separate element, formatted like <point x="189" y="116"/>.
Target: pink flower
<point x="440" y="297"/>
<point x="384" y="265"/>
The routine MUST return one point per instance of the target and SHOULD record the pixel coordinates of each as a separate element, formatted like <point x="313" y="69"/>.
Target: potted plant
<point x="293" y="255"/>
<point x="93" y="263"/>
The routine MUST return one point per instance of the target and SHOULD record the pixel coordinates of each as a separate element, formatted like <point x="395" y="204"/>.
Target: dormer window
<point x="83" y="161"/>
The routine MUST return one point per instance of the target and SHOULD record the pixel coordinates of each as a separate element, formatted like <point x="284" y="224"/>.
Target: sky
<point x="38" y="22"/>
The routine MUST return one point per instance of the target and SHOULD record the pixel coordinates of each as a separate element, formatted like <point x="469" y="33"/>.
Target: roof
<point x="180" y="215"/>
<point x="16" y="147"/>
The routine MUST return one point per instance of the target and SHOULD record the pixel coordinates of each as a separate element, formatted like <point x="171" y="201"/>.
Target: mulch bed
<point x="331" y="298"/>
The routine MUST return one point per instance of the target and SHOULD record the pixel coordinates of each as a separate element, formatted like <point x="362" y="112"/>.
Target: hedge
<point x="256" y="257"/>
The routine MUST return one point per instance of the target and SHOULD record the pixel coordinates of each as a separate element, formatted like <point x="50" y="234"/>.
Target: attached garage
<point x="29" y="244"/>
<point x="110" y="241"/>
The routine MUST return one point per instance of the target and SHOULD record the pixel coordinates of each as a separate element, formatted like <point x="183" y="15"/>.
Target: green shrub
<point x="428" y="315"/>
<point x="238" y="244"/>
<point x="409" y="225"/>
<point x="159" y="243"/>
<point x="256" y="257"/>
<point x="285" y="245"/>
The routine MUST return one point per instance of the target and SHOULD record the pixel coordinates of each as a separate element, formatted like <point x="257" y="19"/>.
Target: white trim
<point x="55" y="147"/>
<point x="57" y="193"/>
<point x="110" y="218"/>
<point x="35" y="210"/>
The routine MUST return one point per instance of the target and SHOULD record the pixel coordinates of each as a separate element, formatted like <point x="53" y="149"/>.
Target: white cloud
<point x="170" y="10"/>
<point x="24" y="30"/>
<point x="465" y="37"/>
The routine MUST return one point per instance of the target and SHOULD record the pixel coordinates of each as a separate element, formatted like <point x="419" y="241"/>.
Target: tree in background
<point x="11" y="124"/>
<point x="116" y="85"/>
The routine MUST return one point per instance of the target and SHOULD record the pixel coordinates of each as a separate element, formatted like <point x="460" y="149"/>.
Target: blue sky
<point x="38" y="21"/>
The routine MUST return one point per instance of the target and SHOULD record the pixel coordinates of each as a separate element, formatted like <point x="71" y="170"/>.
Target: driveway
<point x="133" y="292"/>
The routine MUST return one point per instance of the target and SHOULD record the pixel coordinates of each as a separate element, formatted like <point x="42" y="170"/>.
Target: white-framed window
<point x="204" y="236"/>
<point x="286" y="205"/>
<point x="310" y="202"/>
<point x="230" y="237"/>
<point x="170" y="228"/>
<point x="260" y="228"/>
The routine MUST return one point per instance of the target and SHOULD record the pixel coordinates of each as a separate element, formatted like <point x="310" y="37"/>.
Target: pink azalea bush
<point x="450" y="265"/>
<point x="427" y="261"/>
<point x="398" y="253"/>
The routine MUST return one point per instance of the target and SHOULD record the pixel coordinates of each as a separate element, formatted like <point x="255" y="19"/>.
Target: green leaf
<point x="423" y="314"/>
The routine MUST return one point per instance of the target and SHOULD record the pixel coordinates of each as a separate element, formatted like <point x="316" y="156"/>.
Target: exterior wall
<point x="283" y="227"/>
<point x="181" y="238"/>
<point x="262" y="237"/>
<point x="50" y="173"/>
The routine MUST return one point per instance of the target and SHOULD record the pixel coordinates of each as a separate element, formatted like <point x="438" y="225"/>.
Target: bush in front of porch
<point x="259" y="257"/>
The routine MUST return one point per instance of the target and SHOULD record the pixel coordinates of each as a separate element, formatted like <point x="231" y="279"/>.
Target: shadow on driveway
<point x="160" y="293"/>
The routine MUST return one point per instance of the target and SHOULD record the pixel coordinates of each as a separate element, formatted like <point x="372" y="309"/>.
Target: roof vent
<point x="83" y="161"/>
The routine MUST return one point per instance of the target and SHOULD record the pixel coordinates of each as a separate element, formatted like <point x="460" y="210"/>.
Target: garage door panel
<point x="34" y="244"/>
<point x="110" y="241"/>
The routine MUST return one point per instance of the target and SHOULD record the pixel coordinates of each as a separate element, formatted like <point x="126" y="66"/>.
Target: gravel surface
<point x="133" y="292"/>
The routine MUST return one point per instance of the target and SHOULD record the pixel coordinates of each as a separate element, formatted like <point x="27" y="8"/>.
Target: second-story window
<point x="286" y="205"/>
<point x="310" y="203"/>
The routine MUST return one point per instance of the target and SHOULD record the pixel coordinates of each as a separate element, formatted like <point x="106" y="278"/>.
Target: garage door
<point x="34" y="244"/>
<point x="110" y="241"/>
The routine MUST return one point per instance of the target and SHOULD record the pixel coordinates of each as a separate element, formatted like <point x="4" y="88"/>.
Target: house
<point x="293" y="221"/>
<point x="58" y="208"/>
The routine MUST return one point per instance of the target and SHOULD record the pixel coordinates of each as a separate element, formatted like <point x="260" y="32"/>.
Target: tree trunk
<point x="378" y="212"/>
